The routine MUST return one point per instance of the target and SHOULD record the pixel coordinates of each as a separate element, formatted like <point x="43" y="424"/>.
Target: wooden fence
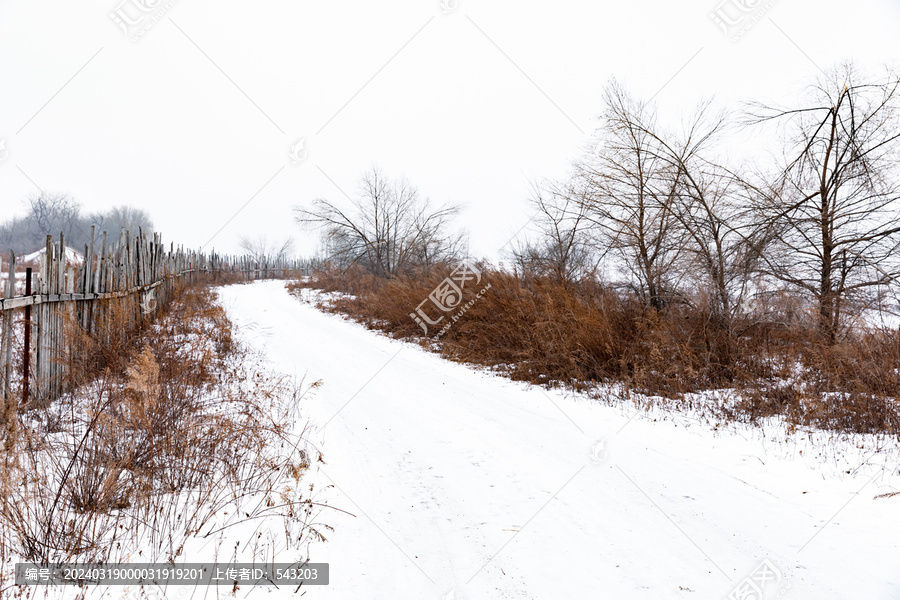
<point x="128" y="279"/>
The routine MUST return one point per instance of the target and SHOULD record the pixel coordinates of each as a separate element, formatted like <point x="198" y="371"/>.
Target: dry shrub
<point x="538" y="330"/>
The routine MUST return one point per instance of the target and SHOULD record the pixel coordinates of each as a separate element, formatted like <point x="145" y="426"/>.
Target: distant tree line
<point x="50" y="213"/>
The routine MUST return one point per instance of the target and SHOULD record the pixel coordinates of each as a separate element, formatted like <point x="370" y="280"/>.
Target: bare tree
<point x="565" y="250"/>
<point x="710" y="207"/>
<point x="52" y="213"/>
<point x="835" y="211"/>
<point x="389" y="229"/>
<point x="629" y="191"/>
<point x="262" y="249"/>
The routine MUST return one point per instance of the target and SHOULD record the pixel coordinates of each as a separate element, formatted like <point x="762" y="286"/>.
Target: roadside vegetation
<point x="173" y="439"/>
<point x="664" y="266"/>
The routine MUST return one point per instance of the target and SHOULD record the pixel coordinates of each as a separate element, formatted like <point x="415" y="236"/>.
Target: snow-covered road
<point x="466" y="485"/>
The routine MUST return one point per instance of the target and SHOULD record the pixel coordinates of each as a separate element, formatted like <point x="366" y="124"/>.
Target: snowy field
<point x="465" y="485"/>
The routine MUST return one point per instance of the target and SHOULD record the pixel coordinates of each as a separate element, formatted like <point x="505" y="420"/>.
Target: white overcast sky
<point x="194" y="121"/>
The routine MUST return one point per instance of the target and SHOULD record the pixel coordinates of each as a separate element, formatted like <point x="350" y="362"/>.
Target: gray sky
<point x="192" y="114"/>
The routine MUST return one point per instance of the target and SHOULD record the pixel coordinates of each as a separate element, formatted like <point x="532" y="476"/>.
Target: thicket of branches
<point x="665" y="216"/>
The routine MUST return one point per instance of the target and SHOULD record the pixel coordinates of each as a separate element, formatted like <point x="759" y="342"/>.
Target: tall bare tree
<point x="710" y="207"/>
<point x="835" y="211"/>
<point x="629" y="191"/>
<point x="388" y="229"/>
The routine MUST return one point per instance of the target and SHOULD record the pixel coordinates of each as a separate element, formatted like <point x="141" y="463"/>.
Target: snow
<point x="72" y="256"/>
<point x="466" y="485"/>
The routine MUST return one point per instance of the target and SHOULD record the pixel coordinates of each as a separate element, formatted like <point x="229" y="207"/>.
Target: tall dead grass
<point x="549" y="333"/>
<point x="166" y="429"/>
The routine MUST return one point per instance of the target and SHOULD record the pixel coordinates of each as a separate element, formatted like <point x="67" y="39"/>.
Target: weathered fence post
<point x="26" y="358"/>
<point x="6" y="336"/>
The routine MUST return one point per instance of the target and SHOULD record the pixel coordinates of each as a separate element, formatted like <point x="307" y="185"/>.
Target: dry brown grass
<point x="154" y="443"/>
<point x="549" y="333"/>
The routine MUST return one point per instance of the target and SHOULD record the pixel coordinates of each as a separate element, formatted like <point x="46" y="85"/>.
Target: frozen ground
<point x="466" y="485"/>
